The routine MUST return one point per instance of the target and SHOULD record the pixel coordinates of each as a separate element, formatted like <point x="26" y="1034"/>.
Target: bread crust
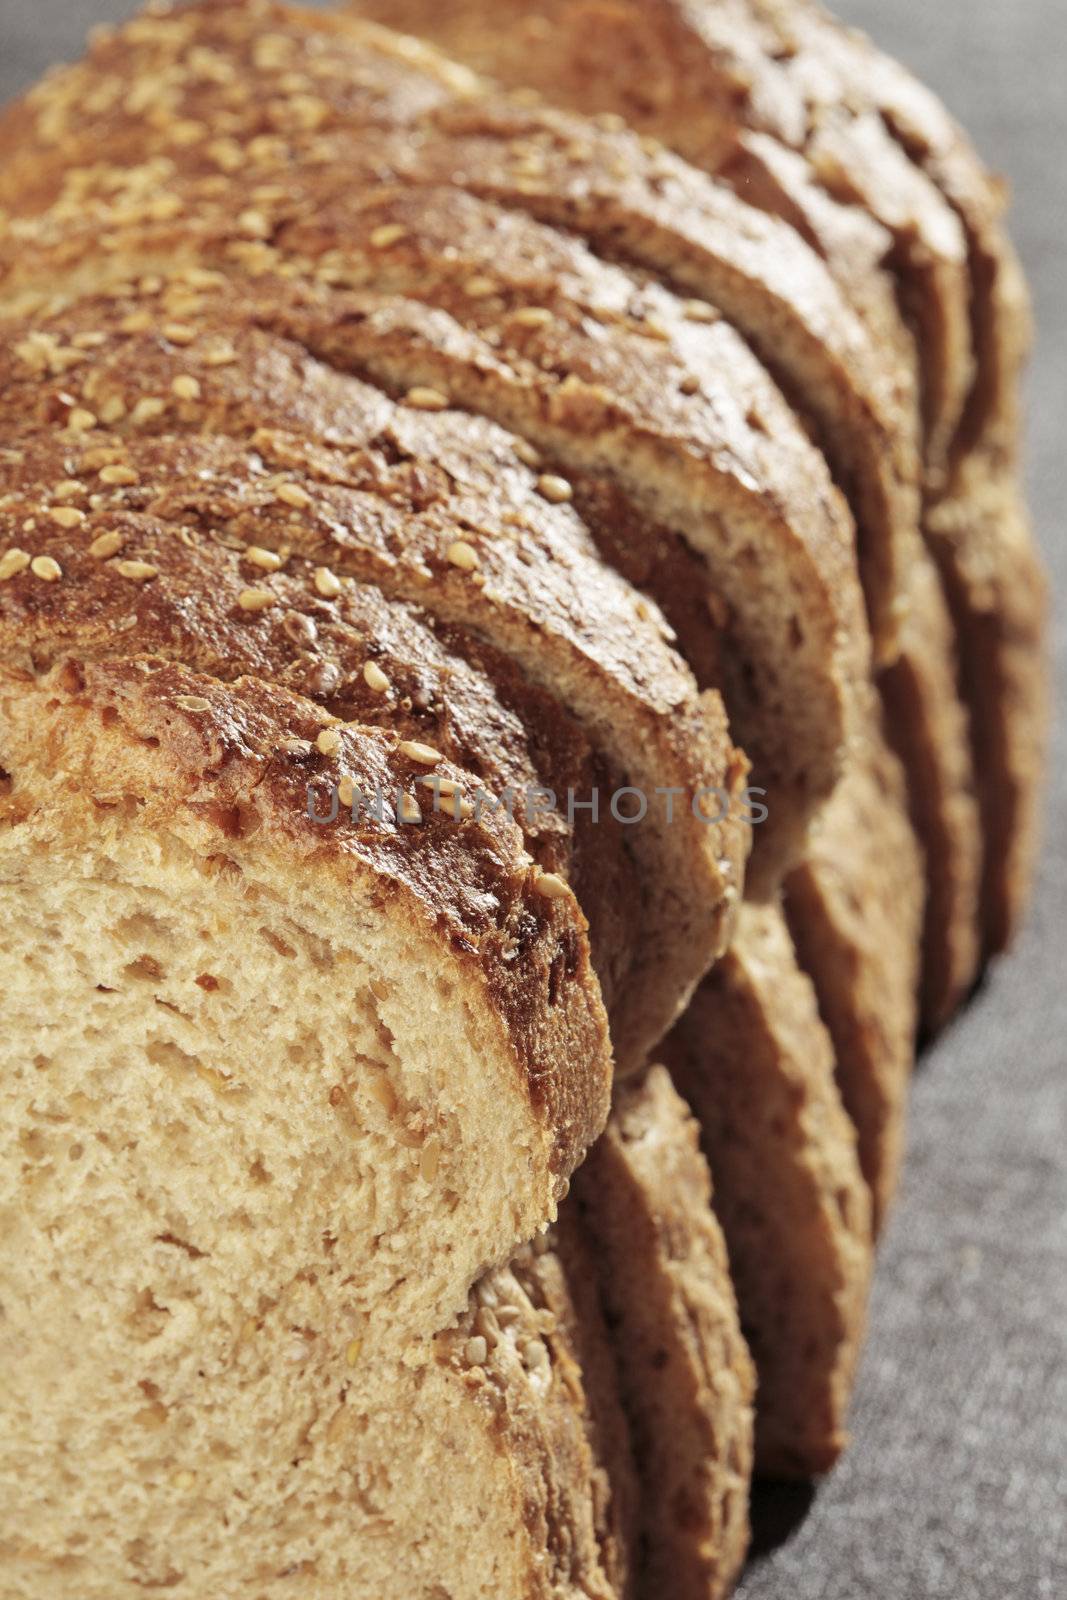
<point x="701" y="77"/>
<point x="237" y="760"/>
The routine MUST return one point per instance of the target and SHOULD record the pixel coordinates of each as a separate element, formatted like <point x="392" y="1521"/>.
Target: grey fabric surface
<point x="956" y="1486"/>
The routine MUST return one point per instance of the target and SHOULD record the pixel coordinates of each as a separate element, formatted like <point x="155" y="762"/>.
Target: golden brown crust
<point x="436" y="686"/>
<point x="281" y="452"/>
<point x="642" y="205"/>
<point x="617" y="398"/>
<point x="849" y="65"/>
<point x="753" y="1059"/>
<point x="240" y="762"/>
<point x="686" y="1378"/>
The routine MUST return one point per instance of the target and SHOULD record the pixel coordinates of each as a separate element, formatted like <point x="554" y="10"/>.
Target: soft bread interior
<point x="267" y="1135"/>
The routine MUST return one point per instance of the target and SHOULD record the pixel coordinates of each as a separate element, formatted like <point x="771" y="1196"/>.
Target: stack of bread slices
<point x="521" y="700"/>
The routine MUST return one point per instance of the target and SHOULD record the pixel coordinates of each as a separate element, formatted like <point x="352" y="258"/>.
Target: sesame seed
<point x="291" y="494"/>
<point x="424" y="754"/>
<point x="186" y="387"/>
<point x="557" y="490"/>
<point x="463" y="555"/>
<point x="12" y="562"/>
<point x="136" y="571"/>
<point x="476" y="1351"/>
<point x="551" y="885"/>
<point x="534" y="1355"/>
<point x="192" y="702"/>
<point x="136" y="322"/>
<point x="527" y="453"/>
<point x="442" y="786"/>
<point x="219" y="354"/>
<point x="67" y="516"/>
<point x="183" y="1480"/>
<point x="532" y="317"/>
<point x="147" y="410"/>
<point x="389" y="233"/>
<point x="69" y="489"/>
<point x="256" y="599"/>
<point x="479" y="288"/>
<point x="327" y="583"/>
<point x="352" y="1354"/>
<point x="408" y="811"/>
<point x="266" y="560"/>
<point x="253" y="224"/>
<point x="45" y="568"/>
<point x="113" y="409"/>
<point x="457" y="807"/>
<point x="375" y="678"/>
<point x="426" y="399"/>
<point x="179" y="333"/>
<point x="700" y="311"/>
<point x="119" y="476"/>
<point x="105" y="545"/>
<point x="328" y="742"/>
<point x="346" y="791"/>
<point x="81" y="421"/>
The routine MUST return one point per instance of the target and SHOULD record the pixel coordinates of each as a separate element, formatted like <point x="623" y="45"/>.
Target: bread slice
<point x="685" y="1375"/>
<point x="754" y="1061"/>
<point x="927" y="724"/>
<point x="299" y="459"/>
<point x="606" y="384"/>
<point x="512" y="1415"/>
<point x="855" y="911"/>
<point x="162" y="821"/>
<point x="998" y="592"/>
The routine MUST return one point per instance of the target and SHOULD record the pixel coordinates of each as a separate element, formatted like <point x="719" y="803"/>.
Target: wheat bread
<point x="644" y="1199"/>
<point x="855" y="909"/>
<point x="754" y="1060"/>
